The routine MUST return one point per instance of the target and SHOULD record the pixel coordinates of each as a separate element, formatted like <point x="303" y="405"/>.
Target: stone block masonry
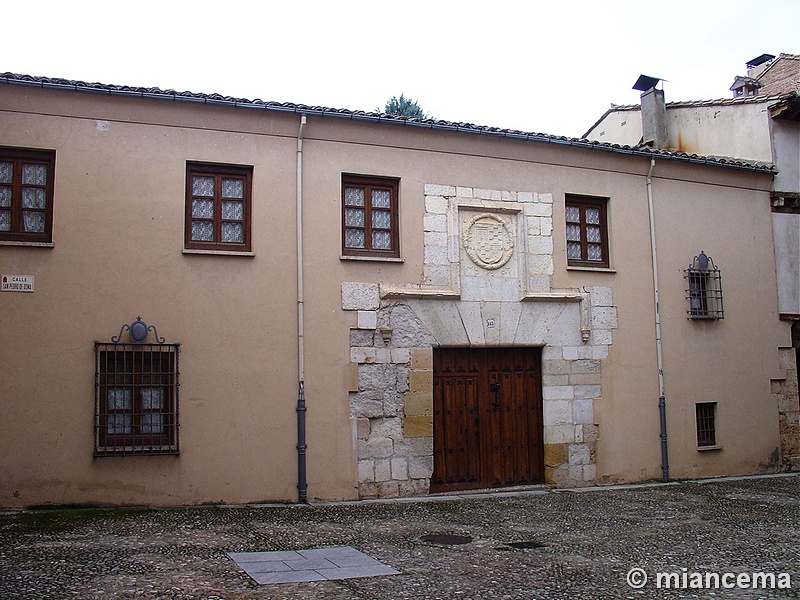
<point x="495" y="292"/>
<point x="392" y="407"/>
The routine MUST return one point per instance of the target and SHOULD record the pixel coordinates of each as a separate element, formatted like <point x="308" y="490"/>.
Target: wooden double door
<point x="487" y="418"/>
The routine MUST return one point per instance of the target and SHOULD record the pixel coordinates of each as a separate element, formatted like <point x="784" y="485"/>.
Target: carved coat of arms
<point x="488" y="241"/>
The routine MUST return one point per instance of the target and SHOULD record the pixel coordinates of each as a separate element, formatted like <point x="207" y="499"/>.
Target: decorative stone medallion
<point x="488" y="241"/>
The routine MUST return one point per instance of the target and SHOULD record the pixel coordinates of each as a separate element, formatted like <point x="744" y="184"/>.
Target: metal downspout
<point x="662" y="401"/>
<point x="302" y="485"/>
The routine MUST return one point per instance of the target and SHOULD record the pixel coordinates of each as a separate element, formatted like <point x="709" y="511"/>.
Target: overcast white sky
<point x="540" y="66"/>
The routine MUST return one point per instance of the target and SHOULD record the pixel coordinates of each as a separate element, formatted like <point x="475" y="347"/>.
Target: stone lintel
<point x="417" y="292"/>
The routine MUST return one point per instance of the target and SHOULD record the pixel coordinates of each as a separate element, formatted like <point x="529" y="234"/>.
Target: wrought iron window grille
<point x="706" y="427"/>
<point x="136" y="393"/>
<point x="704" y="289"/>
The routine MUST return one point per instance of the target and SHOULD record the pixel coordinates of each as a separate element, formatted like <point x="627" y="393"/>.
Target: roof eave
<point x="324" y="112"/>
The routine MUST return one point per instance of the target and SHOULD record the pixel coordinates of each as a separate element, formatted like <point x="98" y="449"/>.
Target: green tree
<point x="405" y="107"/>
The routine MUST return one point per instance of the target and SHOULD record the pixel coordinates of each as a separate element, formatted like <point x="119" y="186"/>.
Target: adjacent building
<point x="761" y="123"/>
<point x="210" y="299"/>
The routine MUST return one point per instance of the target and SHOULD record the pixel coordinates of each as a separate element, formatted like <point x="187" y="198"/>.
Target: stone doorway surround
<point x="486" y="282"/>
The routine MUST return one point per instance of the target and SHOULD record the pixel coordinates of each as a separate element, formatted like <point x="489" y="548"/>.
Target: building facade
<point x="209" y="299"/>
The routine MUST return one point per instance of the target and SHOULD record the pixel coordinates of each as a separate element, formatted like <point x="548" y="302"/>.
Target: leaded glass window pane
<point x="120" y="423"/>
<point x="233" y="210"/>
<point x="6" y="172"/>
<point x="381" y="219"/>
<point x="593" y="235"/>
<point x="574" y="233"/>
<point x="152" y="398"/>
<point x="232" y="232"/>
<point x="232" y="188"/>
<point x="34" y="174"/>
<point x="33" y="197"/>
<point x="381" y="240"/>
<point x="354" y="238"/>
<point x="220" y="195"/>
<point x="151" y="423"/>
<point x="202" y="231"/>
<point x="32" y="222"/>
<point x="120" y="399"/>
<point x="26" y="194"/>
<point x="381" y="199"/>
<point x="586" y="231"/>
<point x="354" y="217"/>
<point x="202" y="209"/>
<point x="573" y="214"/>
<point x="354" y="197"/>
<point x="369" y="218"/>
<point x="203" y="186"/>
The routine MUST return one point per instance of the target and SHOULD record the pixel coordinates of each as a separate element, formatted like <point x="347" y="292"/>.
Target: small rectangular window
<point x="136" y="399"/>
<point x="218" y="206"/>
<point x="369" y="216"/>
<point x="26" y="194"/>
<point x="587" y="232"/>
<point x="706" y="428"/>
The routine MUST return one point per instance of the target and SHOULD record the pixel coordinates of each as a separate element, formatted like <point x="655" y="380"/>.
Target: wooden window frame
<point x="368" y="184"/>
<point x="132" y="368"/>
<point x="20" y="156"/>
<point x="218" y="172"/>
<point x="582" y="203"/>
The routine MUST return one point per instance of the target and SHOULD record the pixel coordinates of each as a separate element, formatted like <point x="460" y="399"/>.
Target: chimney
<point x="758" y="65"/>
<point x="654" y="113"/>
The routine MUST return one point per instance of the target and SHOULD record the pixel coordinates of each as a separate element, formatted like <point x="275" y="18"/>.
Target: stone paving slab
<point x="316" y="564"/>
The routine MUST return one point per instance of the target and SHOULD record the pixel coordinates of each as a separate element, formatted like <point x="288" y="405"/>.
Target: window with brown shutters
<point x="26" y="195"/>
<point x="369" y="216"/>
<point x="218" y="207"/>
<point x="587" y="232"/>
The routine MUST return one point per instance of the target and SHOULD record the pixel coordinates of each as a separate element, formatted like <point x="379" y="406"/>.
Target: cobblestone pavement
<point x="582" y="545"/>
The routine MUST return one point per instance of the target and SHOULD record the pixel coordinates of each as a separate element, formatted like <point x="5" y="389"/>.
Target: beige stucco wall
<point x="118" y="239"/>
<point x="786" y="139"/>
<point x="737" y="130"/>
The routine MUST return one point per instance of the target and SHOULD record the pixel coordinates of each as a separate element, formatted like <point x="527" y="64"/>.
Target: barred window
<point x="704" y="289"/>
<point x="706" y="427"/>
<point x="136" y="398"/>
